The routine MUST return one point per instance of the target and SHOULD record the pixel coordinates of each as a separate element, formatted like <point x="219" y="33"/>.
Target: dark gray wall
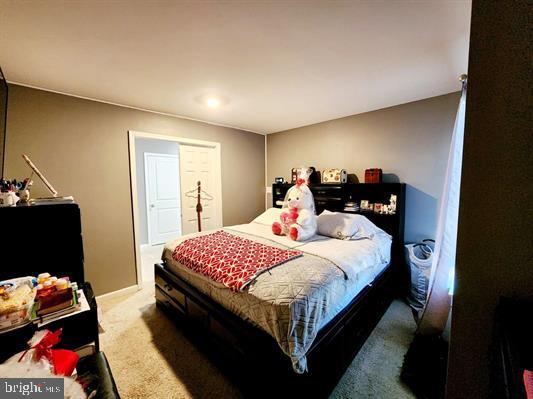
<point x="410" y="142"/>
<point x="495" y="252"/>
<point x="82" y="148"/>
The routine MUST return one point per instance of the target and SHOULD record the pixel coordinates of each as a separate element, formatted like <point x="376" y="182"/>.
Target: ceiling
<point x="277" y="64"/>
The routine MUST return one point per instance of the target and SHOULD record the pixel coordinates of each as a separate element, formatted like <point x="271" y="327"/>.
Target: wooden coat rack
<point x="197" y="193"/>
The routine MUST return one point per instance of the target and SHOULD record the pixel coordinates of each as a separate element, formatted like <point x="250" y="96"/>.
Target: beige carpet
<point x="151" y="358"/>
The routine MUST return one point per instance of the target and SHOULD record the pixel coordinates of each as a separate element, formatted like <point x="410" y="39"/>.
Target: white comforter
<point x="350" y="256"/>
<point x="293" y="301"/>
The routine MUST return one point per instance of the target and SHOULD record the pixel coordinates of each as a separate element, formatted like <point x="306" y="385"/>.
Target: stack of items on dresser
<point x="55" y="296"/>
<point x="42" y="299"/>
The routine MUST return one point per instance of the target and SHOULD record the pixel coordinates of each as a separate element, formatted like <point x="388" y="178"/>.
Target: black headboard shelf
<point x="333" y="197"/>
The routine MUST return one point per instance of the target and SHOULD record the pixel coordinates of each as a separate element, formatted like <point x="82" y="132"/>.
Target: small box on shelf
<point x="373" y="175"/>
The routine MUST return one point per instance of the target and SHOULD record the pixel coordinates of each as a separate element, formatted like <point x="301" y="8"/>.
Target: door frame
<point x="147" y="194"/>
<point x="217" y="189"/>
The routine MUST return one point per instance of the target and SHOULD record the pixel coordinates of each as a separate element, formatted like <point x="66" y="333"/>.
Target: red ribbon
<point x="43" y="348"/>
<point x="300" y="181"/>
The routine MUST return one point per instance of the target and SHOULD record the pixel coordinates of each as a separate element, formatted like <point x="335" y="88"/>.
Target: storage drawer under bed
<point x="162" y="298"/>
<point x="171" y="292"/>
<point x="168" y="295"/>
<point x="179" y="301"/>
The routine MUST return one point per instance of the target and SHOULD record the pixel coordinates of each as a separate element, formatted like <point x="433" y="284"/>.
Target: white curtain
<point x="442" y="274"/>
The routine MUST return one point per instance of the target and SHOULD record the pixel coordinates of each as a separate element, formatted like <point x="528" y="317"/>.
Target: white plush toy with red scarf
<point x="298" y="219"/>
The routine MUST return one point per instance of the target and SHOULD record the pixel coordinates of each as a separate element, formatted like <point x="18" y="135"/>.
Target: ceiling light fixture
<point x="212" y="102"/>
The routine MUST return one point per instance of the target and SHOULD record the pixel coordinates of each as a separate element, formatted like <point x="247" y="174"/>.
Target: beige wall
<point x="82" y="148"/>
<point x="494" y="251"/>
<point x="410" y="142"/>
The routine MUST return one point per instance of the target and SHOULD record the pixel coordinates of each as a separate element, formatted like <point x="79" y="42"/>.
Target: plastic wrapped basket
<point x="16" y="317"/>
<point x="419" y="258"/>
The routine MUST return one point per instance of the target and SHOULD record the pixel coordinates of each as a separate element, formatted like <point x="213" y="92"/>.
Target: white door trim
<point x="217" y="189"/>
<point x="147" y="194"/>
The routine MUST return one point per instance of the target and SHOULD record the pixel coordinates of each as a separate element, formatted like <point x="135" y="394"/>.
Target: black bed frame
<point x="240" y="347"/>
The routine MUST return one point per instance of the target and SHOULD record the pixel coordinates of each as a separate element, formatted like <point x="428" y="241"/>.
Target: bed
<point x="302" y="321"/>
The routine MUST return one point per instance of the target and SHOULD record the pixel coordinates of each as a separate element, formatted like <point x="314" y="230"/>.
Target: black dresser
<point x="46" y="238"/>
<point x="41" y="238"/>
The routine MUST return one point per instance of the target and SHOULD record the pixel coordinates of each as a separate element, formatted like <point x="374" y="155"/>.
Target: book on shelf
<point x="351" y="207"/>
<point x="60" y="307"/>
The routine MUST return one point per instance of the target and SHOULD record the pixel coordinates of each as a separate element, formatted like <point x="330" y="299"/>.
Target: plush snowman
<point x="298" y="219"/>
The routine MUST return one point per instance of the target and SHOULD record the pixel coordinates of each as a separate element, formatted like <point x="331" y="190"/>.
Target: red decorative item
<point x="373" y="175"/>
<point x="228" y="259"/>
<point x="290" y="217"/>
<point x="51" y="298"/>
<point x="293" y="232"/>
<point x="63" y="361"/>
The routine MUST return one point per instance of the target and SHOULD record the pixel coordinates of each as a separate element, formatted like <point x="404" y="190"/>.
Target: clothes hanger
<point x="198" y="191"/>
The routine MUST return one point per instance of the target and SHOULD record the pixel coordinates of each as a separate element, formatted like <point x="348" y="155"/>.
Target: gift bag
<point x="41" y="355"/>
<point x="40" y="360"/>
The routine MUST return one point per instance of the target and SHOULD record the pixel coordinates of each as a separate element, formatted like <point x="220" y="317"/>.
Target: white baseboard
<point x="128" y="290"/>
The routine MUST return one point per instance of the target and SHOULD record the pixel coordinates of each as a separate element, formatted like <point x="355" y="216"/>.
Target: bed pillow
<point x="269" y="216"/>
<point x="345" y="226"/>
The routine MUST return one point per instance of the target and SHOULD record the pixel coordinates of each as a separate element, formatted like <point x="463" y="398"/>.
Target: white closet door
<point x="163" y="197"/>
<point x="198" y="164"/>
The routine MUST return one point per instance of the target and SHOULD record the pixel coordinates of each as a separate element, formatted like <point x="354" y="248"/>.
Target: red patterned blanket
<point x="229" y="259"/>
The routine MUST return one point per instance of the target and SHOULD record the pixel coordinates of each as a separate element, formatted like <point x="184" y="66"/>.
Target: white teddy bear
<point x="298" y="221"/>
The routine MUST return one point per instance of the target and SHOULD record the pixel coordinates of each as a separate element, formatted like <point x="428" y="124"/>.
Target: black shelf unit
<point x="333" y="197"/>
